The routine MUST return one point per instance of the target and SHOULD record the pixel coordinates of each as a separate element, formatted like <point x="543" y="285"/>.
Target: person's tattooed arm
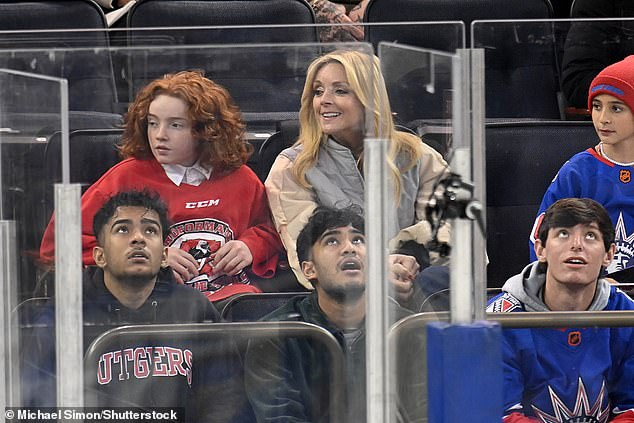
<point x="327" y="12"/>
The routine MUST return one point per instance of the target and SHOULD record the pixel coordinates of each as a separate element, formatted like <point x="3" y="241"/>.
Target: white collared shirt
<point x="193" y="175"/>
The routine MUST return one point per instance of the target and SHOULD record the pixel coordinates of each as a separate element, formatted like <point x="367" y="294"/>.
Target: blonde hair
<point x="366" y="81"/>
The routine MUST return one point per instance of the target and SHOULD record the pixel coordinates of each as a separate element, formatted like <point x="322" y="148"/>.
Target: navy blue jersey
<point x="589" y="175"/>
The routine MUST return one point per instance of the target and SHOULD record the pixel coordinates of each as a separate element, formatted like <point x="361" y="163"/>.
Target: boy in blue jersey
<point x="604" y="173"/>
<point x="568" y="374"/>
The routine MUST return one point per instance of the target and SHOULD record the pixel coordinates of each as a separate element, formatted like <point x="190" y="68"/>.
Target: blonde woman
<point x="325" y="166"/>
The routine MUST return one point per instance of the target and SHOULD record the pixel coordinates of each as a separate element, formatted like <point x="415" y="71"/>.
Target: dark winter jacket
<point x="144" y="372"/>
<point x="288" y="381"/>
<point x="591" y="46"/>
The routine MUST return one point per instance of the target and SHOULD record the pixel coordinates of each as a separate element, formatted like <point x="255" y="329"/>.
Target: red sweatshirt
<point x="204" y="217"/>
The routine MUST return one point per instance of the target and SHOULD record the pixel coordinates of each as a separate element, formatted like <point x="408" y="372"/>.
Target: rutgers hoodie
<point x="143" y="372"/>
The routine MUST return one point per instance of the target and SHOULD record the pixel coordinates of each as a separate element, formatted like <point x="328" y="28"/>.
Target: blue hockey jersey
<point x="589" y="175"/>
<point x="567" y="374"/>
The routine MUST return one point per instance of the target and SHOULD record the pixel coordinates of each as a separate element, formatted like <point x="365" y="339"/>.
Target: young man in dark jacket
<point x="593" y="43"/>
<point x="288" y="380"/>
<point x="132" y="286"/>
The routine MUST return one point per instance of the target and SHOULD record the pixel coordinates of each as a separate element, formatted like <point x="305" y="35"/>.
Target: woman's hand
<point x="183" y="264"/>
<point x="231" y="258"/>
<point x="403" y="270"/>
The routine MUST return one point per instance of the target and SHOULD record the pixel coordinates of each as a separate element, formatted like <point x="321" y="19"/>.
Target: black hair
<point x="146" y="199"/>
<point x="569" y="212"/>
<point x="323" y="219"/>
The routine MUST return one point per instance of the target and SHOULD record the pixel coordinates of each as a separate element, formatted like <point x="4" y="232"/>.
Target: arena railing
<point x="407" y="332"/>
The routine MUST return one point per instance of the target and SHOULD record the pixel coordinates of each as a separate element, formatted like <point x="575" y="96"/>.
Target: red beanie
<point x="616" y="80"/>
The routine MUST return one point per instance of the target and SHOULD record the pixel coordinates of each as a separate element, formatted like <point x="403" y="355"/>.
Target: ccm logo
<point x="200" y="204"/>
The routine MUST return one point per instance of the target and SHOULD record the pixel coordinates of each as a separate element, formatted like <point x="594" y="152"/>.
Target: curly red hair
<point x="216" y="120"/>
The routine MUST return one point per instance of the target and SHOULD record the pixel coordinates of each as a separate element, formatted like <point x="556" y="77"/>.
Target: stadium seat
<point x="260" y="127"/>
<point x="92" y="153"/>
<point x="22" y="166"/>
<point x="260" y="79"/>
<point x="35" y="38"/>
<point x="521" y="160"/>
<point x="521" y="68"/>
<point x="285" y="137"/>
<point x="250" y="307"/>
<point x="467" y="11"/>
<point x="520" y="58"/>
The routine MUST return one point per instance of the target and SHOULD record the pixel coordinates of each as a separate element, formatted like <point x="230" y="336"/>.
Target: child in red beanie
<point x="604" y="173"/>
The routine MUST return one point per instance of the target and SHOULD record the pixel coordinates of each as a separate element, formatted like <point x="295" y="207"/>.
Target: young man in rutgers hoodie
<point x="568" y="374"/>
<point x="130" y="286"/>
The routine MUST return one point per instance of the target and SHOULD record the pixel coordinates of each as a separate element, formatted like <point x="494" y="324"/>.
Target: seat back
<point x="26" y="189"/>
<point x="250" y="307"/>
<point x="255" y="77"/>
<point x="35" y="38"/>
<point x="522" y="68"/>
<point x="467" y="11"/>
<point x="92" y="153"/>
<point x="280" y="140"/>
<point x="209" y="13"/>
<point x="521" y="160"/>
<point x="260" y="127"/>
<point x="516" y="57"/>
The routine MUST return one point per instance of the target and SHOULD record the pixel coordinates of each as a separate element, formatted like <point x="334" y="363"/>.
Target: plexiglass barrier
<point x="22" y="146"/>
<point x="266" y="82"/>
<point x="430" y="95"/>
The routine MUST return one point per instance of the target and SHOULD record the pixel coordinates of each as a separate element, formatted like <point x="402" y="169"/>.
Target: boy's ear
<point x="308" y="269"/>
<point x="164" y="257"/>
<point x="99" y="256"/>
<point x="540" y="251"/>
<point x="609" y="255"/>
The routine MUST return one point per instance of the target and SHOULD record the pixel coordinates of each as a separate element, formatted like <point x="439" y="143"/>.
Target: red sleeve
<point x="519" y="418"/>
<point x="261" y="237"/>
<point x="627" y="417"/>
<point x="47" y="247"/>
<point x="91" y="202"/>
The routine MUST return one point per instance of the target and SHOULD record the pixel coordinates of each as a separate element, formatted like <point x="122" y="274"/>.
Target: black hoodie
<point x="144" y="372"/>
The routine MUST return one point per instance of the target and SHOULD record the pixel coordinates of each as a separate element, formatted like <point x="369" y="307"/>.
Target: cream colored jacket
<point x="292" y="205"/>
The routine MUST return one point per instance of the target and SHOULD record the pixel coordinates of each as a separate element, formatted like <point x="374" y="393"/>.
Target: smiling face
<point x="574" y="255"/>
<point x="131" y="249"/>
<point x="337" y="109"/>
<point x="169" y="130"/>
<point x="614" y="122"/>
<point x="337" y="264"/>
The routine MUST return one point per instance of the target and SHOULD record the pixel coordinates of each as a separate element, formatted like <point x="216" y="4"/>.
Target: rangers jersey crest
<point x="505" y="303"/>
